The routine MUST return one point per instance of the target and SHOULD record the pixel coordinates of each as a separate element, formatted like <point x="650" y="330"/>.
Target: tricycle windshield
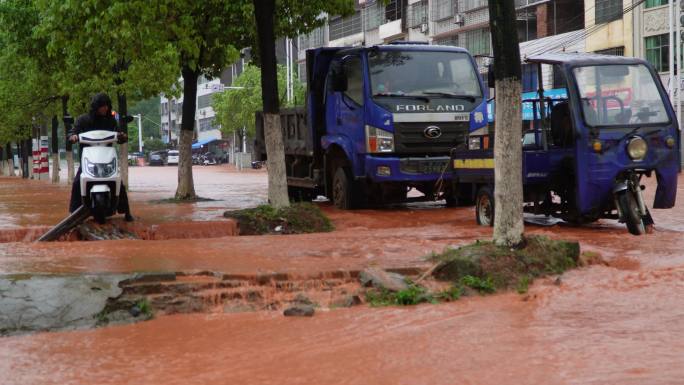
<point x="619" y="95"/>
<point x="395" y="73"/>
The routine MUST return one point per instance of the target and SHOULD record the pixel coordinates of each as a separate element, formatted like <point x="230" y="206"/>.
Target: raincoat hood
<point x="100" y="100"/>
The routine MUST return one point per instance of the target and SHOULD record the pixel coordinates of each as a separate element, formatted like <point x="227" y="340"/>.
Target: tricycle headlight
<point x="637" y="148"/>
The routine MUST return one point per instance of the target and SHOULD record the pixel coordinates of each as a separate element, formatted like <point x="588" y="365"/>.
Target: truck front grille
<point x="410" y="137"/>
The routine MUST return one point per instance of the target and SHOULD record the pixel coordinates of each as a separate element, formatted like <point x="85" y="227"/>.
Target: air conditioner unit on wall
<point x="459" y="19"/>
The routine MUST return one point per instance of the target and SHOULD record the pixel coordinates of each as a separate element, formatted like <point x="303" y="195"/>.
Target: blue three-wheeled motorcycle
<point x="586" y="144"/>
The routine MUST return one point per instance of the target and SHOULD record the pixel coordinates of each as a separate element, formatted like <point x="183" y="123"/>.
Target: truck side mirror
<point x="339" y="79"/>
<point x="491" y="80"/>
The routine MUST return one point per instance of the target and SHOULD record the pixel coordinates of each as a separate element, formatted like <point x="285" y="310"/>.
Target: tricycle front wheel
<point x="484" y="206"/>
<point x="630" y="213"/>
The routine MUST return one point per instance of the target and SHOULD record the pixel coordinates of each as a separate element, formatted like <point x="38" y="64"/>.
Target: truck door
<point x="347" y="109"/>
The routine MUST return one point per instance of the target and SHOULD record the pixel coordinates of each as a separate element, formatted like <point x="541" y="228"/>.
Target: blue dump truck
<point x="379" y="121"/>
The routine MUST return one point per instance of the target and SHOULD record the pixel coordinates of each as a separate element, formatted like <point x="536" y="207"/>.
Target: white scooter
<point x="100" y="178"/>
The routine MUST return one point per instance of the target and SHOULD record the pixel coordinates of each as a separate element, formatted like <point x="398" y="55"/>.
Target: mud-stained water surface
<point x="613" y="322"/>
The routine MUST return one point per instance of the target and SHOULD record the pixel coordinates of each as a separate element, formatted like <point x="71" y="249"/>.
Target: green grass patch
<point x="485" y="267"/>
<point x="412" y="296"/>
<point x="482" y="285"/>
<point x="299" y="218"/>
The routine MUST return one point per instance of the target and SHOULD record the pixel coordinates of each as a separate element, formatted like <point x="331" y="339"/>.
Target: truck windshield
<point x="619" y="95"/>
<point x="422" y="74"/>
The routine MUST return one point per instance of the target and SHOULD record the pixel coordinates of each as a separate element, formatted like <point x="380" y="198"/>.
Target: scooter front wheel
<point x="100" y="208"/>
<point x="630" y="212"/>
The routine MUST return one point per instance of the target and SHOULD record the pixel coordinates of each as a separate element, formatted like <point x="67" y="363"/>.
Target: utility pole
<point x="140" y="141"/>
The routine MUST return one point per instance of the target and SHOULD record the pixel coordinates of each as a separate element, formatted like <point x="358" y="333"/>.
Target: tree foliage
<point x="107" y="46"/>
<point x="236" y="108"/>
<point x="25" y="72"/>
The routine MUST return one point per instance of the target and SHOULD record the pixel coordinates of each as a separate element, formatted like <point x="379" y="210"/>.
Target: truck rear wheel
<point x="344" y="194"/>
<point x="484" y="206"/>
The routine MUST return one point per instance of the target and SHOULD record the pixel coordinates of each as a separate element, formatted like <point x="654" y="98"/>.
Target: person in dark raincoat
<point x="100" y="117"/>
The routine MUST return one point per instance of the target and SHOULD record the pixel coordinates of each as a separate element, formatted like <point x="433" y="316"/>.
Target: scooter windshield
<point x="619" y="95"/>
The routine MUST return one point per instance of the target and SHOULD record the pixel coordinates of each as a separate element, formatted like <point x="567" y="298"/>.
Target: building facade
<point x="463" y="23"/>
<point x="205" y="126"/>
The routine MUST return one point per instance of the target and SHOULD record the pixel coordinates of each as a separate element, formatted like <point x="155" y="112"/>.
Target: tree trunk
<point x="20" y="157"/>
<point x="55" y="149"/>
<point x="186" y="186"/>
<point x="68" y="121"/>
<point x="508" y="192"/>
<point x="264" y="11"/>
<point x="123" y="127"/>
<point x="10" y="160"/>
<point x="3" y="161"/>
<point x="27" y="150"/>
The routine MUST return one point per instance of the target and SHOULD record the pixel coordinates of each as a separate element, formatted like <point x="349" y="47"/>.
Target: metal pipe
<point x="671" y="51"/>
<point x="678" y="61"/>
<point x="542" y="107"/>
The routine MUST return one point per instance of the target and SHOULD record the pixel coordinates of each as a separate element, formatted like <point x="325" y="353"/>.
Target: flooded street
<point x="617" y="322"/>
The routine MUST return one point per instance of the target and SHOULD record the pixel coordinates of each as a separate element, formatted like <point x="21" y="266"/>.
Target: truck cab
<point x="382" y="120"/>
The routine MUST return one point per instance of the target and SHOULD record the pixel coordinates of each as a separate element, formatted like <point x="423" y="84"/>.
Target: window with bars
<point x="615" y="51"/>
<point x="345" y="26"/>
<point x="657" y="51"/>
<point x="473" y="4"/>
<point x="373" y="16"/>
<point x="206" y="124"/>
<point x="655" y="3"/>
<point x="394" y="10"/>
<point x="418" y="14"/>
<point x="442" y="9"/>
<point x="607" y="10"/>
<point x="204" y="101"/>
<point x="179" y="110"/>
<point x="313" y="39"/>
<point x="477" y="41"/>
<point x="451" y="40"/>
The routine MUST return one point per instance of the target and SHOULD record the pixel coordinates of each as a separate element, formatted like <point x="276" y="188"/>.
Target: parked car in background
<point x="157" y="158"/>
<point x="133" y="158"/>
<point x="172" y="158"/>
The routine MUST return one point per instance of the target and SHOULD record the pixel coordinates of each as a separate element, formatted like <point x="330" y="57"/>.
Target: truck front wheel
<point x="344" y="195"/>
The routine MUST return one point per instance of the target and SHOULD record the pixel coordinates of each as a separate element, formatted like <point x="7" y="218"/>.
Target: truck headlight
<point x="100" y="170"/>
<point x="378" y="140"/>
<point x="637" y="148"/>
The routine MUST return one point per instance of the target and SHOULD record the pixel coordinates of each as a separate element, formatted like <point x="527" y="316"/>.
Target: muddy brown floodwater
<point x="613" y="323"/>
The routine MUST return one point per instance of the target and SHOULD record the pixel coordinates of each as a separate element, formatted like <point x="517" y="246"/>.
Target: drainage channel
<point x="91" y="231"/>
